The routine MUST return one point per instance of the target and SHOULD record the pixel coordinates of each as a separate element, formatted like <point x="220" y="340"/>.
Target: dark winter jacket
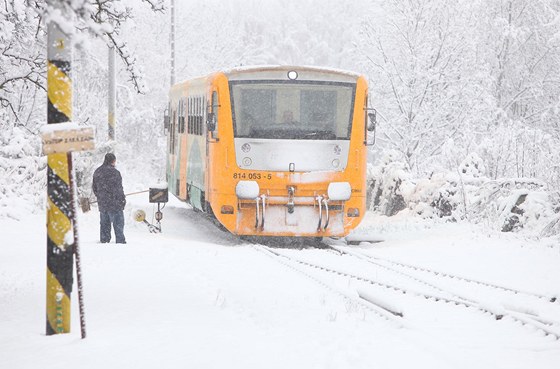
<point x="107" y="187"/>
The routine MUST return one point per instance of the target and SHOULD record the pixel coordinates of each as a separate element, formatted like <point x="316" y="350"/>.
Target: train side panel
<point x="186" y="156"/>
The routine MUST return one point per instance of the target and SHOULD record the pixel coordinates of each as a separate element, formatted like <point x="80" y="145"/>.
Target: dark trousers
<point x="116" y="218"/>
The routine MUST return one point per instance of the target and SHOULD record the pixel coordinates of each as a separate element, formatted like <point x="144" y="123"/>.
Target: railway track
<point x="524" y="315"/>
<point x="377" y="259"/>
<point x="378" y="310"/>
<point x="436" y="294"/>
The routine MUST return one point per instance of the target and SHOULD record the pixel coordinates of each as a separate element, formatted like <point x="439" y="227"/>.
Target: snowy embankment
<point x="197" y="297"/>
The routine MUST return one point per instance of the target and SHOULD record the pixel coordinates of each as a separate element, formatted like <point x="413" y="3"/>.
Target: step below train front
<point x="271" y="151"/>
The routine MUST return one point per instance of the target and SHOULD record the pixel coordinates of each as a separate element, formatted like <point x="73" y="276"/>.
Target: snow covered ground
<point x="196" y="297"/>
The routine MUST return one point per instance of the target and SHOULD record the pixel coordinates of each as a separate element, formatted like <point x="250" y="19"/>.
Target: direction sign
<point x="60" y="141"/>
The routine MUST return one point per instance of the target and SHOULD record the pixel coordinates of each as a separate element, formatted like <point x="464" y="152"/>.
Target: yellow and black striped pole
<point x="60" y="209"/>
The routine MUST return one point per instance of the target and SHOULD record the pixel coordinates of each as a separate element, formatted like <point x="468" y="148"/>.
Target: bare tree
<point x="22" y="55"/>
<point x="22" y="59"/>
<point x="421" y="59"/>
<point x="520" y="44"/>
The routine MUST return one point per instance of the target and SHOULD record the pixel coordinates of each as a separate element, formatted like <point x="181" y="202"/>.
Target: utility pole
<point x="112" y="99"/>
<point x="60" y="209"/>
<point x="172" y="42"/>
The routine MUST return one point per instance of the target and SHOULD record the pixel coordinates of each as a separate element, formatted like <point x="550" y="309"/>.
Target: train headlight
<point x="247" y="190"/>
<point x="335" y="163"/>
<point x="247" y="162"/>
<point x="339" y="191"/>
<point x="246" y="147"/>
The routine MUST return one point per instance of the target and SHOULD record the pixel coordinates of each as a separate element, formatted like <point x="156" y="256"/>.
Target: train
<point x="272" y="150"/>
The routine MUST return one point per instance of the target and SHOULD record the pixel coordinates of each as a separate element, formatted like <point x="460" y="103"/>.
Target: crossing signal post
<point x="60" y="251"/>
<point x="160" y="196"/>
<point x="60" y="137"/>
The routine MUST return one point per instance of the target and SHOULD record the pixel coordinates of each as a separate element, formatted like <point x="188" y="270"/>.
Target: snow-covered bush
<point x="472" y="166"/>
<point x="519" y="205"/>
<point x="22" y="173"/>
<point x="511" y="204"/>
<point x="389" y="185"/>
<point x="437" y="196"/>
<point x="392" y="189"/>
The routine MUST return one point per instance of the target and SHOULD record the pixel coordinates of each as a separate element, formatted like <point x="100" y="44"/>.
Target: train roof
<point x="279" y="72"/>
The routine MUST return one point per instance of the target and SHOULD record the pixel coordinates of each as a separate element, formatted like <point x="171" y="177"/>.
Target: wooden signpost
<point x="59" y="142"/>
<point x="68" y="140"/>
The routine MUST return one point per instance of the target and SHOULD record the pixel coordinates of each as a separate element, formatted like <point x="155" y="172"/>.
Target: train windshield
<point x="292" y="110"/>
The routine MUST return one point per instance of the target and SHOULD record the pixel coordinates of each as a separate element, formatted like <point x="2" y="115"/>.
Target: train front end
<point x="294" y="161"/>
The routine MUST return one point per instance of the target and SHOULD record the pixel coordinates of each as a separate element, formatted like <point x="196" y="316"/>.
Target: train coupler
<point x="258" y="213"/>
<point x="323" y="203"/>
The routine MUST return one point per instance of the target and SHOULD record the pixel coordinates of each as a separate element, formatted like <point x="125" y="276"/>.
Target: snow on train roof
<point x="280" y="72"/>
<point x="262" y="68"/>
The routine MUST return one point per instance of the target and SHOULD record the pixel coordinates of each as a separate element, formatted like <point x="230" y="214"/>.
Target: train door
<point x="171" y="176"/>
<point x="196" y="153"/>
<point x="182" y="151"/>
<point x="211" y="134"/>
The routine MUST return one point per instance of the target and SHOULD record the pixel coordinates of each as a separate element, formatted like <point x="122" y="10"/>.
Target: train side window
<point x="190" y="115"/>
<point x="167" y="117"/>
<point x="199" y="117"/>
<point x="172" y="132"/>
<point x="204" y="102"/>
<point x="193" y="116"/>
<point x="193" y="107"/>
<point x="196" y="115"/>
<point x="179" y="116"/>
<point x="212" y="117"/>
<point x="370" y="122"/>
<point x="175" y="127"/>
<point x="182" y="116"/>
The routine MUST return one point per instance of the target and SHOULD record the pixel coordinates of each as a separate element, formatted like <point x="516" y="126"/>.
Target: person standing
<point x="107" y="187"/>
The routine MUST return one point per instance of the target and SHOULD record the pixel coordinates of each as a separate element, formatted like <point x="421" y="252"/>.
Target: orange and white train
<point x="272" y="151"/>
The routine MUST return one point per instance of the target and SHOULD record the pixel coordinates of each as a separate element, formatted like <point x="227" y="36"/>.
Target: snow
<point x="289" y="67"/>
<point x="195" y="296"/>
<point x="52" y="128"/>
<point x="159" y="186"/>
<point x="385" y="304"/>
